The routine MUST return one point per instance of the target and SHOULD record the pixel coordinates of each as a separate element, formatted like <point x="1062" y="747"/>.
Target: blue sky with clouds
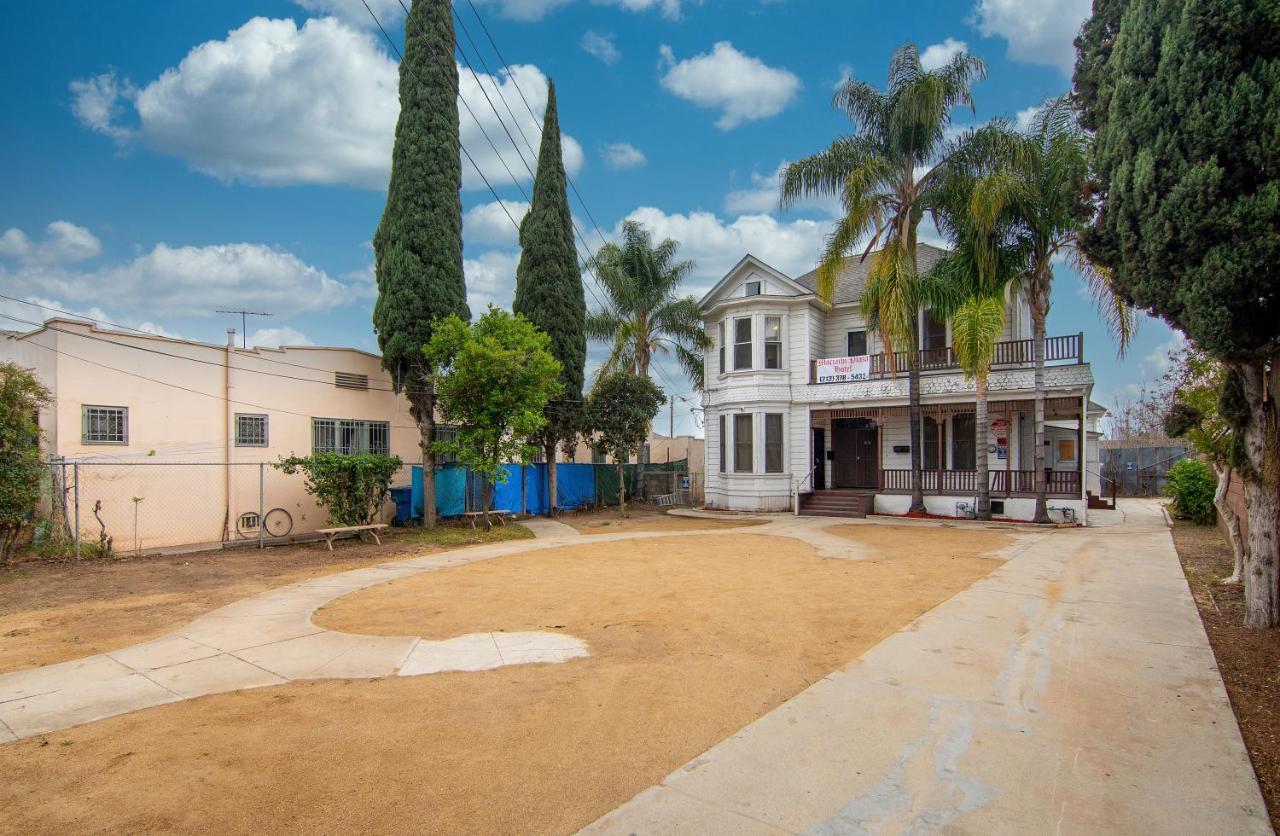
<point x="163" y="160"/>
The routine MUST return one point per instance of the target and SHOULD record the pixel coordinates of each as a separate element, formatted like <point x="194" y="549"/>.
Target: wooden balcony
<point x="1008" y="354"/>
<point x="1061" y="483"/>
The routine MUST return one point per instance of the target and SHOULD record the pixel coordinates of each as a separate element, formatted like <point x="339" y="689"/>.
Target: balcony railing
<point x="963" y="482"/>
<point x="1010" y="353"/>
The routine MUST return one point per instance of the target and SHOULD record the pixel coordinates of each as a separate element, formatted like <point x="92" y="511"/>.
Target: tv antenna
<point x="244" y="330"/>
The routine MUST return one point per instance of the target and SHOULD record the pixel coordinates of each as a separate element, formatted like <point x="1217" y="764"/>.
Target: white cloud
<point x="1026" y="117"/>
<point x="620" y="155"/>
<point x="844" y="73"/>
<point x="276" y="337"/>
<point x="716" y="245"/>
<point x="741" y="87"/>
<point x="34" y="309"/>
<point x="189" y="280"/>
<point x="1038" y="31"/>
<point x="63" y="242"/>
<point x="762" y="196"/>
<point x="490" y="223"/>
<point x="936" y="56"/>
<point x="531" y="10"/>
<point x="389" y="12"/>
<point x="601" y="46"/>
<point x="491" y="278"/>
<point x="670" y="8"/>
<point x="277" y="104"/>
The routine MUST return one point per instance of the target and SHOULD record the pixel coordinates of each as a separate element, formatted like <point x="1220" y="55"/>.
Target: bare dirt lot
<point x="1248" y="659"/>
<point x="691" y="638"/>
<point x="53" y="612"/>
<point x="646" y="518"/>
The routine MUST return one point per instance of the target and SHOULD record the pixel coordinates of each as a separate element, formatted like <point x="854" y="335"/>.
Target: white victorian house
<point x="780" y="436"/>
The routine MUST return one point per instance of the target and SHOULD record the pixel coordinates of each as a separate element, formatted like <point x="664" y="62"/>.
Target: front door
<point x="819" y="459"/>
<point x="854" y="442"/>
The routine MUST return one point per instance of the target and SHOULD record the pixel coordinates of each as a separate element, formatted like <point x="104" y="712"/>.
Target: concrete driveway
<point x="1071" y="691"/>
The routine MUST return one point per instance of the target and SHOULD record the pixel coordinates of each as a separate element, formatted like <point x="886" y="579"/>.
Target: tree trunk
<point x="422" y="402"/>
<point x="486" y="501"/>
<point x="552" y="505"/>
<point x="1262" y="492"/>
<point x="1231" y="521"/>
<point x="1039" y="311"/>
<point x="914" y="416"/>
<point x="622" y="492"/>
<point x="983" y="511"/>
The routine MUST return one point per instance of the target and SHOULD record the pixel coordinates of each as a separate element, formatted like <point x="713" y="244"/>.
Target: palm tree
<point x="876" y="173"/>
<point x="1040" y="188"/>
<point x="643" y="316"/>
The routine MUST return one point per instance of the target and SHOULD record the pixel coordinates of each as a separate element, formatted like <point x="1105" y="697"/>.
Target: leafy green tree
<point x="495" y="379"/>
<point x="619" y="410"/>
<point x="1187" y="165"/>
<point x="418" y="244"/>
<point x="549" y="290"/>
<point x="21" y="397"/>
<point x="875" y="172"/>
<point x="643" y="316"/>
<point x="352" y="487"/>
<point x="1196" y="415"/>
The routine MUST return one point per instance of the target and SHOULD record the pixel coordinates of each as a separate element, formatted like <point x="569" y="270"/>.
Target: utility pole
<point x="244" y="330"/>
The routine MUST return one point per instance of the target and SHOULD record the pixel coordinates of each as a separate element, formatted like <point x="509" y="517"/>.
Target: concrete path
<point x="269" y="639"/>
<point x="1071" y="691"/>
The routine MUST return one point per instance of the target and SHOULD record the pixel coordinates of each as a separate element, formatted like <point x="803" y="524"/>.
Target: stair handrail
<point x="795" y="497"/>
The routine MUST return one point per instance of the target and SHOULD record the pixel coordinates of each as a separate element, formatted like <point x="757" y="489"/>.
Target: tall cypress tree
<point x="549" y="288"/>
<point x="418" y="245"/>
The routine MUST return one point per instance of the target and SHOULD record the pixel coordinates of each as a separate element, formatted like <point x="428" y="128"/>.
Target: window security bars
<point x="336" y="435"/>
<point x="104" y="425"/>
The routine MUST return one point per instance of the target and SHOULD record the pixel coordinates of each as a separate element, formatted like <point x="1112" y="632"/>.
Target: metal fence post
<point x="262" y="518"/>
<point x="75" y="472"/>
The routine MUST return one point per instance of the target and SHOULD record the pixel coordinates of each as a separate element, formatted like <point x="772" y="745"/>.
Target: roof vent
<point x="350" y="380"/>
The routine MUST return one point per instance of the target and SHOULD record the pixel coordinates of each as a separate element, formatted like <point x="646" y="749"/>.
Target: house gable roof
<point x="852" y="278"/>
<point x="748" y="265"/>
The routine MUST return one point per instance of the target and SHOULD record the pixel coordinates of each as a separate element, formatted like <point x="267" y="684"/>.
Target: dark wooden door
<point x="855" y="465"/>
<point x="819" y="459"/>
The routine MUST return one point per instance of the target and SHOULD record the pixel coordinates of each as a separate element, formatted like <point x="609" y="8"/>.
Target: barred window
<point x="104" y="424"/>
<point x="251" y="430"/>
<point x="336" y="435"/>
<point x="446" y="432"/>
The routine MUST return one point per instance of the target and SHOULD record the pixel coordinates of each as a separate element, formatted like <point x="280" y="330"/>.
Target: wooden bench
<point x="330" y="534"/>
<point x="501" y="515"/>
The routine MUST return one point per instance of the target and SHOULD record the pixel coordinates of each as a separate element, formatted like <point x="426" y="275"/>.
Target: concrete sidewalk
<point x="1071" y="691"/>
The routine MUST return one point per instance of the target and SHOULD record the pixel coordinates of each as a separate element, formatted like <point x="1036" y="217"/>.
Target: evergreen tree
<point x="549" y="289"/>
<point x="418" y="245"/>
<point x="1187" y="156"/>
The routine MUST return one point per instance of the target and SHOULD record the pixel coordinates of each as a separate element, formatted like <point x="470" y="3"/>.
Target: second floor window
<point x="721" y="368"/>
<point x="773" y="342"/>
<point x="742" y="343"/>
<point x="857" y="344"/>
<point x="336" y="435"/>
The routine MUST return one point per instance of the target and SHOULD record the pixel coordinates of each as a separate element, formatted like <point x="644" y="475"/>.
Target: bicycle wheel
<point x="278" y="522"/>
<point x="247" y="525"/>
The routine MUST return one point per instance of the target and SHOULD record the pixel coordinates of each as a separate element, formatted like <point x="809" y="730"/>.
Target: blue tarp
<point x="575" y="488"/>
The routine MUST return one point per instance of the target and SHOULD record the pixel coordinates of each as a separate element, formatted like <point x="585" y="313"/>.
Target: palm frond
<point x="1120" y="317"/>
<point x="976" y="327"/>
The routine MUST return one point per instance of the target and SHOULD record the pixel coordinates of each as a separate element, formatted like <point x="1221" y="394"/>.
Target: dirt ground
<point x="646" y="518"/>
<point x="691" y="638"/>
<point x="1249" y="659"/>
<point x="53" y="612"/>
<point x="966" y="541"/>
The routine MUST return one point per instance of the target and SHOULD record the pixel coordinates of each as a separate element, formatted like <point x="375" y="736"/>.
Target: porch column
<point x="1008" y="451"/>
<point x="939" y="421"/>
<point x="1084" y="439"/>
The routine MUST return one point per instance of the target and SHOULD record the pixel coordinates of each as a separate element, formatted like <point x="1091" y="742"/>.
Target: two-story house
<point x="805" y="411"/>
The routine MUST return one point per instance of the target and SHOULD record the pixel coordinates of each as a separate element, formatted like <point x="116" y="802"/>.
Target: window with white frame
<point x="104" y="424"/>
<point x="724" y="436"/>
<point x="742" y="443"/>
<point x="337" y="435"/>
<point x="751" y="289"/>
<point x="773" y="442"/>
<point x="856" y="343"/>
<point x="742" y="343"/>
<point x="721" y="368"/>
<point x="773" y="342"/>
<point x="251" y="430"/>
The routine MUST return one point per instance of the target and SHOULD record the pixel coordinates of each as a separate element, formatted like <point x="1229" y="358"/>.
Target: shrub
<point x="21" y="397"/>
<point x="352" y="488"/>
<point x="1192" y="484"/>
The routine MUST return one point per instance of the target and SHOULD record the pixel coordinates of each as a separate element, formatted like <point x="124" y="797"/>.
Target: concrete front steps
<point x="837" y="502"/>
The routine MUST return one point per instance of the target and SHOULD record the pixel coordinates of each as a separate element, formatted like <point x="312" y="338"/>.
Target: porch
<point x="1008" y="354"/>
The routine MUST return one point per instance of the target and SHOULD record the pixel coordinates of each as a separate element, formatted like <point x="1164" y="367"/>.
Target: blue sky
<point x="163" y="160"/>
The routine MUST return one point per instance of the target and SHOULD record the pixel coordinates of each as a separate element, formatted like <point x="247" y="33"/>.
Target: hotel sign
<point x="843" y="369"/>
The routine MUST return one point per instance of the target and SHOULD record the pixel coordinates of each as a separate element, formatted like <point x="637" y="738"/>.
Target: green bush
<point x="1192" y="484"/>
<point x="352" y="488"/>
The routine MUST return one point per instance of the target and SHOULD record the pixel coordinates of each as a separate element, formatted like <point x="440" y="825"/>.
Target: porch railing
<point x="1002" y="482"/>
<point x="1068" y="348"/>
